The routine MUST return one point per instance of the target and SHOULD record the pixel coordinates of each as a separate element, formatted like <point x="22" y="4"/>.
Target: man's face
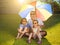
<point x="33" y="15"/>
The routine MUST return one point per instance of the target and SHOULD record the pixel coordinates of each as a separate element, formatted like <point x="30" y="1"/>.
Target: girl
<point x="35" y="32"/>
<point x="23" y="28"/>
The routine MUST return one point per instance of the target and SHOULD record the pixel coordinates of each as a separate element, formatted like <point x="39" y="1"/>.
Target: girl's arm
<point x="25" y="29"/>
<point x="20" y="30"/>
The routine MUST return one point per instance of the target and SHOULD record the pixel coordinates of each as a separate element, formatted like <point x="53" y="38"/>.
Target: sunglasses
<point x="34" y="23"/>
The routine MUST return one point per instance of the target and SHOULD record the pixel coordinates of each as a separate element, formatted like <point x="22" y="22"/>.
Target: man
<point x="40" y="22"/>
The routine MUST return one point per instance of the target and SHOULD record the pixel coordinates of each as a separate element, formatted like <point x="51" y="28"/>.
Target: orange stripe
<point x="33" y="3"/>
<point x="39" y="15"/>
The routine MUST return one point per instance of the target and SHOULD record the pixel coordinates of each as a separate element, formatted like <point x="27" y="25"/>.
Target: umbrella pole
<point x="35" y="7"/>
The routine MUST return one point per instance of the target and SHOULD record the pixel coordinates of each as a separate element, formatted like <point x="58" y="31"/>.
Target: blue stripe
<point x="24" y="13"/>
<point x="46" y="6"/>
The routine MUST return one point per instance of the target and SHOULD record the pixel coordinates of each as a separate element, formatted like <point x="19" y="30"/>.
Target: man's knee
<point x="43" y="33"/>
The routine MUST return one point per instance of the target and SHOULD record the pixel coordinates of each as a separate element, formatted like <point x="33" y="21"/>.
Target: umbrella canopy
<point x="43" y="10"/>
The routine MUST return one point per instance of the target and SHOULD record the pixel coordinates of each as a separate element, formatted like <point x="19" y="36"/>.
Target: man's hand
<point x="42" y="26"/>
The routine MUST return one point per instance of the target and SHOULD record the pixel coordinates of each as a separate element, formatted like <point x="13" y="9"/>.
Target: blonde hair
<point x="32" y="12"/>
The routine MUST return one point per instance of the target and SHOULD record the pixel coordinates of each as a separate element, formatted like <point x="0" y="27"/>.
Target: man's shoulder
<point x="29" y="20"/>
<point x="39" y="19"/>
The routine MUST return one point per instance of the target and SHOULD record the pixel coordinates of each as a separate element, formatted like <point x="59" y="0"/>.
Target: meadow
<point x="10" y="22"/>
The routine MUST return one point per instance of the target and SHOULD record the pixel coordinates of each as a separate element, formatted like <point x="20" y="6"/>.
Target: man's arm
<point x="41" y="23"/>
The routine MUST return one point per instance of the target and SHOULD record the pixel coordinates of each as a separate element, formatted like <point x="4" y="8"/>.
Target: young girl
<point x="23" y="28"/>
<point x="35" y="32"/>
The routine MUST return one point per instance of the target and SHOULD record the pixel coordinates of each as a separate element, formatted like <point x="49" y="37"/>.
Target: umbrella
<point x="43" y="10"/>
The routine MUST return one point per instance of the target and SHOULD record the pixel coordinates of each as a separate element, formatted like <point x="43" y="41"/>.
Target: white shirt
<point x="40" y="22"/>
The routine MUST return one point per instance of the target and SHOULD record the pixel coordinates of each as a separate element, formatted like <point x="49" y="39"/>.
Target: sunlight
<point x="21" y="2"/>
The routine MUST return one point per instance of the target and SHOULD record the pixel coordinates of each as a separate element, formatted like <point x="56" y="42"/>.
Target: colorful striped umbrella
<point x="43" y="10"/>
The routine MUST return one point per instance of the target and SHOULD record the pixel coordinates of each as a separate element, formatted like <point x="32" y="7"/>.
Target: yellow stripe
<point x="45" y="13"/>
<point x="22" y="8"/>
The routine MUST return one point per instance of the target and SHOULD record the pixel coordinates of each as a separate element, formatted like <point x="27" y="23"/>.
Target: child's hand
<point x="23" y="32"/>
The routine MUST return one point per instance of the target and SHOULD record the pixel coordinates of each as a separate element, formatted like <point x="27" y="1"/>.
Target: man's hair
<point x="32" y="12"/>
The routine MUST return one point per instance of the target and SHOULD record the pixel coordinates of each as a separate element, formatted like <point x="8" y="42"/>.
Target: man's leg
<point x="43" y="33"/>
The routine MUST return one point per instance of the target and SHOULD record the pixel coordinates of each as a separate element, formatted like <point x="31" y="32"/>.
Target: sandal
<point x="29" y="41"/>
<point x="39" y="42"/>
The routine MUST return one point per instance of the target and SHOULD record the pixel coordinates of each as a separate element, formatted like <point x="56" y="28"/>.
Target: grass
<point x="8" y="31"/>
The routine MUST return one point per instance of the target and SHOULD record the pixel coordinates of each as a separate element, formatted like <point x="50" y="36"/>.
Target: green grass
<point x="8" y="31"/>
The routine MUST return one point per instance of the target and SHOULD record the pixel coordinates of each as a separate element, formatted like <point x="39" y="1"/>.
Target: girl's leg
<point x="19" y="32"/>
<point x="39" y="37"/>
<point x="30" y="36"/>
<point x="21" y="35"/>
<point x="29" y="39"/>
<point x="34" y="35"/>
<point x="23" y="32"/>
<point x="18" y="35"/>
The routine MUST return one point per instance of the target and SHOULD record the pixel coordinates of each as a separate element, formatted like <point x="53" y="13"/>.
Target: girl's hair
<point x="35" y="20"/>
<point x="22" y="20"/>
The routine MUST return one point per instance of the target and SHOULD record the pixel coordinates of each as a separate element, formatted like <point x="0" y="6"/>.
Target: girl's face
<point x="24" y="21"/>
<point x="35" y="23"/>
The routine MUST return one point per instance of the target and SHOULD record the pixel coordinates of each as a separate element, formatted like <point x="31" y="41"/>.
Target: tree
<point x="56" y="7"/>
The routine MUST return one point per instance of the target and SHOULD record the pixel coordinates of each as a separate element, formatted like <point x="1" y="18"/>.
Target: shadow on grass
<point x="52" y="21"/>
<point x="33" y="42"/>
<point x="45" y="42"/>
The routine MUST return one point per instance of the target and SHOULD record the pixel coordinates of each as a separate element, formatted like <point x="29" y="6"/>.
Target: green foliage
<point x="56" y="7"/>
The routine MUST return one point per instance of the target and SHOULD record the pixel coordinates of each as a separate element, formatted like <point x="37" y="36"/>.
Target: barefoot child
<point x="23" y="28"/>
<point x="35" y="32"/>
